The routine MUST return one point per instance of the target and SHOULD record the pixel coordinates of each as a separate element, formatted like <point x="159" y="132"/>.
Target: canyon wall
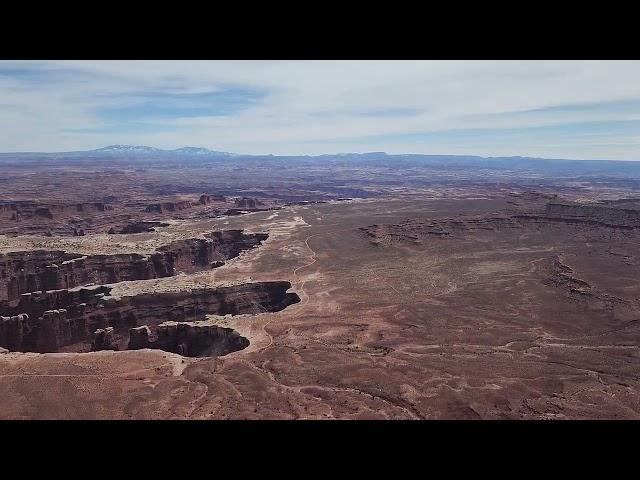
<point x="136" y="227"/>
<point x="246" y="202"/>
<point x="168" y="206"/>
<point x="595" y="213"/>
<point x="188" y="339"/>
<point x="48" y="321"/>
<point x="207" y="199"/>
<point x="25" y="210"/>
<point x="22" y="272"/>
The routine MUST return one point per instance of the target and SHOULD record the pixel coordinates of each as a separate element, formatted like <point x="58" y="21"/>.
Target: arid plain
<point x="504" y="299"/>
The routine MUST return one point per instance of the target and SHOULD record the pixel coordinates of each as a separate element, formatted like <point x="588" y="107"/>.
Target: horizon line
<point x="97" y="150"/>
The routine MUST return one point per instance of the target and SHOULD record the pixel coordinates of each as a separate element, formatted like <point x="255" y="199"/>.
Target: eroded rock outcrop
<point x="137" y="227"/>
<point x="47" y="321"/>
<point x="169" y="206"/>
<point x="103" y="339"/>
<point x="44" y="218"/>
<point x="23" y="272"/>
<point x="246" y="202"/>
<point x="188" y="339"/>
<point x="36" y="303"/>
<point x="26" y="210"/>
<point x="603" y="214"/>
<point x="46" y="333"/>
<point x="139" y="337"/>
<point x="413" y="232"/>
<point x="12" y="331"/>
<point x="207" y="199"/>
<point x="579" y="217"/>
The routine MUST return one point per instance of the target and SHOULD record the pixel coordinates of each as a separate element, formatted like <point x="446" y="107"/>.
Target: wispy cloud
<point x="574" y="109"/>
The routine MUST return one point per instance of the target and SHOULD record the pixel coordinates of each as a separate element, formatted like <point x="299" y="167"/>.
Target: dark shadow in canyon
<point x="87" y="319"/>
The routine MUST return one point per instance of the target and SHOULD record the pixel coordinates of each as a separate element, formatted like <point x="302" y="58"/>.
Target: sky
<point x="551" y="109"/>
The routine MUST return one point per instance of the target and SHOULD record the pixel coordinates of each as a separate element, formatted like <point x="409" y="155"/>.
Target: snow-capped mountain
<point x="127" y="149"/>
<point x="141" y="150"/>
<point x="199" y="151"/>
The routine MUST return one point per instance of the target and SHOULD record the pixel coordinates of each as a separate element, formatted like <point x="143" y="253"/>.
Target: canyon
<point x="333" y="288"/>
<point x="22" y="272"/>
<point x="67" y="318"/>
<point x="125" y="214"/>
<point x="46" y="312"/>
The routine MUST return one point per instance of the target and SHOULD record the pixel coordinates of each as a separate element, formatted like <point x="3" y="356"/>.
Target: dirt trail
<point x="300" y="288"/>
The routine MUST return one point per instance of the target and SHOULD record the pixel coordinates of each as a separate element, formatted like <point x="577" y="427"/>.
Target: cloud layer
<point x="561" y="109"/>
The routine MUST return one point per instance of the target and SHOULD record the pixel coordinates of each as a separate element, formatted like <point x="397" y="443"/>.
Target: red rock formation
<point x="62" y="318"/>
<point x="621" y="217"/>
<point x="168" y="206"/>
<point x="46" y="333"/>
<point x="194" y="340"/>
<point x="103" y="339"/>
<point x="137" y="227"/>
<point x="26" y="217"/>
<point x="139" y="338"/>
<point x="12" y="330"/>
<point x="246" y="202"/>
<point x="207" y="199"/>
<point x="25" y="210"/>
<point x="22" y="272"/>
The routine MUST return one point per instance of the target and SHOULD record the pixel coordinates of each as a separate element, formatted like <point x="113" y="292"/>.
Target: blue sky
<point x="553" y="109"/>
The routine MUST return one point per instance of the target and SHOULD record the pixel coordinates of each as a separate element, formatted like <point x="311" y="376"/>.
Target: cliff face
<point x="207" y="199"/>
<point x="63" y="219"/>
<point x="168" y="206"/>
<point x="623" y="217"/>
<point x="24" y="210"/>
<point x="188" y="339"/>
<point x="47" y="333"/>
<point x="247" y="202"/>
<point x="103" y="339"/>
<point x="50" y="320"/>
<point x="40" y="271"/>
<point x="12" y="331"/>
<point x="137" y="227"/>
<point x="113" y="214"/>
<point x="43" y="310"/>
<point x="22" y="272"/>
<point x="574" y="215"/>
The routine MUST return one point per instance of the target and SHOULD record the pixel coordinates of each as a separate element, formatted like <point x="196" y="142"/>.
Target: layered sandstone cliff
<point x="137" y="227"/>
<point x="608" y="215"/>
<point x="22" y="272"/>
<point x="206" y="199"/>
<point x="169" y="206"/>
<point x="246" y="202"/>
<point x="188" y="339"/>
<point x="26" y="210"/>
<point x="47" y="321"/>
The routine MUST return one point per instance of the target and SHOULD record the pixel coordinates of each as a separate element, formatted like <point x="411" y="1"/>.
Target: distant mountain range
<point x="124" y="151"/>
<point x="145" y="151"/>
<point x="143" y="155"/>
<point x="150" y="151"/>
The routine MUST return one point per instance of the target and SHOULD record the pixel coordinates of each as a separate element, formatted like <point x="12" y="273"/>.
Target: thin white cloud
<point x="322" y="106"/>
